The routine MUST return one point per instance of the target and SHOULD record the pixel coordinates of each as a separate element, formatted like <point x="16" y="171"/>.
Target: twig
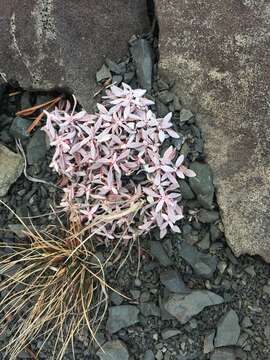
<point x="26" y="112"/>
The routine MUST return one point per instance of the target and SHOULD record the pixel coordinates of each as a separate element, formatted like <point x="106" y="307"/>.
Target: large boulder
<point x="51" y="43"/>
<point x="218" y="52"/>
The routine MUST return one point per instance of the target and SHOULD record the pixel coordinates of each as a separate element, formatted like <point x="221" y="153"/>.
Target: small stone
<point x="208" y="345"/>
<point x="149" y="355"/>
<point x="166" y="97"/>
<point x="185" y="115"/>
<point x="173" y="282"/>
<point x="168" y="333"/>
<point x="137" y="282"/>
<point x="19" y="128"/>
<point x="176" y="104"/>
<point x="203" y="264"/>
<point x="145" y="297"/>
<point x="228" y="330"/>
<point x="184" y="307"/>
<point x="135" y="294"/>
<point x="117" y="79"/>
<point x="118" y="69"/>
<point x="113" y="350"/>
<point x="250" y="270"/>
<point x="141" y="51"/>
<point x="223" y="354"/>
<point x="266" y="289"/>
<point x="36" y="149"/>
<point x="185" y="190"/>
<point x="149" y="309"/>
<point x="129" y="76"/>
<point x="18" y="230"/>
<point x="162" y="109"/>
<point x="25" y="100"/>
<point x="216" y="234"/>
<point x="222" y="266"/>
<point x="246" y="322"/>
<point x="202" y="184"/>
<point x="193" y="324"/>
<point x="206" y="216"/>
<point x="116" y="298"/>
<point x="159" y="355"/>
<point x="11" y="167"/>
<point x="267" y="332"/>
<point x="103" y="74"/>
<point x="158" y="252"/>
<point x="121" y="317"/>
<point x="243" y="339"/>
<point x="204" y="244"/>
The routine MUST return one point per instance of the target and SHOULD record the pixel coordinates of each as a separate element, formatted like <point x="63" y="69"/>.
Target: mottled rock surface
<point x="48" y="43"/>
<point x="218" y="53"/>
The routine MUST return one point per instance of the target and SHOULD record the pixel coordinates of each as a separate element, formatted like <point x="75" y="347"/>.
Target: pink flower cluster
<point x="101" y="154"/>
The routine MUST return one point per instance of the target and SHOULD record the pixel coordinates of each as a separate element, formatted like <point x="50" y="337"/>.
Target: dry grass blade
<point x="54" y="285"/>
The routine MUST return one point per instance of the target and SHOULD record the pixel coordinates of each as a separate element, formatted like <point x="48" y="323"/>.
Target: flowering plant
<point x="102" y="155"/>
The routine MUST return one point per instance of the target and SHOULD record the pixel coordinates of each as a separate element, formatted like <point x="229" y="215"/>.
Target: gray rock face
<point x="113" y="350"/>
<point x="203" y="264"/>
<point x="218" y="53"/>
<point x="228" y="330"/>
<point x="121" y="317"/>
<point x="11" y="167"/>
<point x="184" y="307"/>
<point x="54" y="43"/>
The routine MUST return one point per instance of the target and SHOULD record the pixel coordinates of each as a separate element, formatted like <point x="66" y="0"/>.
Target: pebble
<point x="246" y="322"/>
<point x="173" y="282"/>
<point x="169" y="333"/>
<point x="141" y="52"/>
<point x="11" y="167"/>
<point x="223" y="354"/>
<point x="204" y="244"/>
<point x="203" y="264"/>
<point x="36" y="148"/>
<point x="158" y="252"/>
<point x="202" y="184"/>
<point x="185" y="115"/>
<point x="206" y="216"/>
<point x="103" y="74"/>
<point x="228" y="330"/>
<point x="159" y="355"/>
<point x="266" y="289"/>
<point x="19" y="128"/>
<point x="116" y="298"/>
<point x="184" y="307"/>
<point x="149" y="309"/>
<point x="120" y="317"/>
<point x="118" y="69"/>
<point x="113" y="350"/>
<point x="208" y="345"/>
<point x="149" y="355"/>
<point x="166" y="96"/>
<point x="267" y="332"/>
